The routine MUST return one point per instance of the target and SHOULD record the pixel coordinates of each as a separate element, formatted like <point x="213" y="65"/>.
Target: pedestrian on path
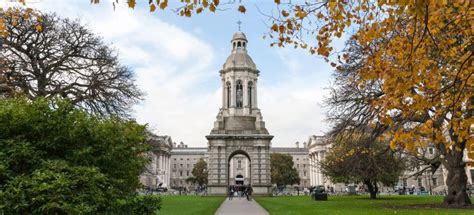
<point x="231" y="192"/>
<point x="240" y="192"/>
<point x="248" y="192"/>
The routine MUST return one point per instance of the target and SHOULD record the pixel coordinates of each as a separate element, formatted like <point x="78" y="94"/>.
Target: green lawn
<point x="184" y="205"/>
<point x="293" y="205"/>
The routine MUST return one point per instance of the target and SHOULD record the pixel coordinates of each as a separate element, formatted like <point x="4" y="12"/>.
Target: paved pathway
<point x="240" y="206"/>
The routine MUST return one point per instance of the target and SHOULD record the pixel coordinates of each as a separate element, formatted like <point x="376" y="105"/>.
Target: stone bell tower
<point x="239" y="127"/>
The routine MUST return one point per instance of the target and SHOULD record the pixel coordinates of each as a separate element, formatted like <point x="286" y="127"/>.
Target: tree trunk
<point x="372" y="189"/>
<point x="456" y="180"/>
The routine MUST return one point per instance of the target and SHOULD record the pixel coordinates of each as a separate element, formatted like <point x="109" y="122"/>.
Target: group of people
<point x="240" y="190"/>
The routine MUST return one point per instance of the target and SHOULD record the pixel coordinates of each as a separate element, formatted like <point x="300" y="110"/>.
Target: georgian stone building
<point x="431" y="182"/>
<point x="317" y="148"/>
<point x="157" y="172"/>
<point x="183" y="159"/>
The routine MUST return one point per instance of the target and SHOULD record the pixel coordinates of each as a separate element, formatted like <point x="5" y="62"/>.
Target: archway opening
<point x="239" y="179"/>
<point x="239" y="168"/>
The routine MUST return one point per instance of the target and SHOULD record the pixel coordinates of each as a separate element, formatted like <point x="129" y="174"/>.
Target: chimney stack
<point x="305" y="145"/>
<point x="297" y="144"/>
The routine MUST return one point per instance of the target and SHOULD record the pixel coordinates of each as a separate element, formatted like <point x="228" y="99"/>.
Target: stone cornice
<point x="248" y="69"/>
<point x="239" y="136"/>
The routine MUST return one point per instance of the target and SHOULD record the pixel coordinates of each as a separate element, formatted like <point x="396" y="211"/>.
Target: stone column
<point x="233" y="99"/>
<point x="153" y="163"/>
<point x="231" y="170"/>
<point x="310" y="168"/>
<point x="245" y="85"/>
<point x="255" y="94"/>
<point x="158" y="163"/>
<point x="313" y="170"/>
<point x="167" y="176"/>
<point x="316" y="159"/>
<point x="162" y="167"/>
<point x="320" y="174"/>
<point x="224" y="97"/>
<point x="321" y="178"/>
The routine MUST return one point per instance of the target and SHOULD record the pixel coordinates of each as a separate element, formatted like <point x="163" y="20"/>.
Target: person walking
<point x="238" y="189"/>
<point x="231" y="192"/>
<point x="248" y="192"/>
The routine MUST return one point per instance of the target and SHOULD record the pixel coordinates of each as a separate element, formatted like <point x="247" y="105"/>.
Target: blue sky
<point x="177" y="62"/>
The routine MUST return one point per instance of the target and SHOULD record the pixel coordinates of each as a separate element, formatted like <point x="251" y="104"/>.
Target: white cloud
<point x="292" y="105"/>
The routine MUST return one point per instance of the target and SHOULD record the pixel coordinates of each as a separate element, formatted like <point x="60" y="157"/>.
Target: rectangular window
<point x="187" y="165"/>
<point x="297" y="166"/>
<point x="181" y="165"/>
<point x="435" y="182"/>
<point x="405" y="183"/>
<point x="180" y="173"/>
<point x="420" y="182"/>
<point x="304" y="173"/>
<point x="175" y="166"/>
<point x="187" y="173"/>
<point x="304" y="165"/>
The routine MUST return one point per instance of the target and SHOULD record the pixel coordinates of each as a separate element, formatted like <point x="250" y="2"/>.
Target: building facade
<point x="184" y="158"/>
<point x="434" y="183"/>
<point x="157" y="172"/>
<point x="317" y="149"/>
<point x="182" y="162"/>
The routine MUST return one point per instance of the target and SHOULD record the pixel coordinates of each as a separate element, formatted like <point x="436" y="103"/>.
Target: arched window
<point x="239" y="165"/>
<point x="249" y="90"/>
<point x="239" y="94"/>
<point x="239" y="44"/>
<point x="243" y="44"/>
<point x="228" y="94"/>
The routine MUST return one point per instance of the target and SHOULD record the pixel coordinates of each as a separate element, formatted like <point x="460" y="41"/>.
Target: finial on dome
<point x="239" y="23"/>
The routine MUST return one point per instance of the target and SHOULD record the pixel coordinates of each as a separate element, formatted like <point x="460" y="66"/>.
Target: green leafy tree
<point x="282" y="171"/>
<point x="199" y="173"/>
<point x="191" y="179"/>
<point x="62" y="160"/>
<point x="357" y="158"/>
